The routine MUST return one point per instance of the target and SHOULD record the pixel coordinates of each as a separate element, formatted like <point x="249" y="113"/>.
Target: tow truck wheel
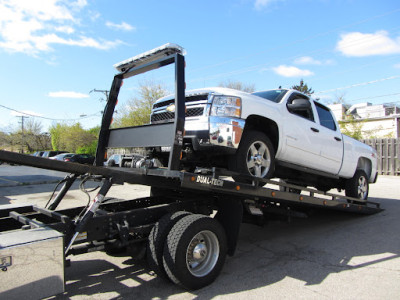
<point x="358" y="186"/>
<point x="195" y="251"/>
<point x="255" y="156"/>
<point x="157" y="238"/>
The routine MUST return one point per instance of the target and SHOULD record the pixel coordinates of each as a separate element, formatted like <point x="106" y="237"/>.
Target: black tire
<point x="195" y="251"/>
<point x="157" y="238"/>
<point x="358" y="186"/>
<point x="255" y="156"/>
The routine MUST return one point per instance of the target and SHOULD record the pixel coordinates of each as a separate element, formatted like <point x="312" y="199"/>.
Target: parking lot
<point x="330" y="255"/>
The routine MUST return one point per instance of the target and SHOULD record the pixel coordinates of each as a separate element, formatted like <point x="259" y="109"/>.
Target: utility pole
<point x="22" y="131"/>
<point x="105" y="92"/>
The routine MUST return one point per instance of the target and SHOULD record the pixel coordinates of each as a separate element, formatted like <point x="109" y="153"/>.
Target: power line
<point x="268" y="65"/>
<point x="374" y="97"/>
<point x="46" y="118"/>
<point x="298" y="41"/>
<point x="359" y="84"/>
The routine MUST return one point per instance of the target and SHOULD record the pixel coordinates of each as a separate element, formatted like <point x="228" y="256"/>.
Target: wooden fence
<point x="388" y="155"/>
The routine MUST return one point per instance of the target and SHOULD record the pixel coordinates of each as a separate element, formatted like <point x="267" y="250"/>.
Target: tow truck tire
<point x="156" y="241"/>
<point x="195" y="251"/>
<point x="255" y="155"/>
<point x="358" y="186"/>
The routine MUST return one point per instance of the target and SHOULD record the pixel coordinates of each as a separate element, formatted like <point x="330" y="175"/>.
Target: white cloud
<point x="291" y="71"/>
<point x="260" y="4"/>
<point x="123" y="26"/>
<point x="34" y="26"/>
<point x="366" y="44"/>
<point x="397" y="66"/>
<point x="308" y="60"/>
<point x="64" y="94"/>
<point x="65" y="29"/>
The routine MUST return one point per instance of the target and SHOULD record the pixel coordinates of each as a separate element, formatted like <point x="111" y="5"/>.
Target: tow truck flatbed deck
<point x="216" y="183"/>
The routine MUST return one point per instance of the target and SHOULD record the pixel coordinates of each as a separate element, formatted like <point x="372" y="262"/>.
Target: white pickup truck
<point x="276" y="133"/>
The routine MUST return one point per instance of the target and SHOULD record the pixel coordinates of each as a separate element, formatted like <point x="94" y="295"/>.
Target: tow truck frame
<point x="115" y="224"/>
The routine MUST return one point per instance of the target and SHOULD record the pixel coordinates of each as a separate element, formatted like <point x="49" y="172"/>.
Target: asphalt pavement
<point x="330" y="255"/>
<point x="14" y="175"/>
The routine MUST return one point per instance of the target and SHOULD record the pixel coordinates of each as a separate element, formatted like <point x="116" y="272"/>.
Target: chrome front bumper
<point x="222" y="131"/>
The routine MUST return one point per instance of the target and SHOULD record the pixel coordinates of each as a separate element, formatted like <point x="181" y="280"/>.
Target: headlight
<point x="226" y="106"/>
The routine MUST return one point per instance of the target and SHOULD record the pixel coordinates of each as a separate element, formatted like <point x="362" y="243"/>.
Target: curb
<point x="28" y="183"/>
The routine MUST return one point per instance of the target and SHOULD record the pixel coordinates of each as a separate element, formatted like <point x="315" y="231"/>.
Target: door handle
<point x="338" y="139"/>
<point x="314" y="129"/>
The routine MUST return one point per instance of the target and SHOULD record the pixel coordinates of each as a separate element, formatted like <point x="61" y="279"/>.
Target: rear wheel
<point x="358" y="186"/>
<point x="157" y="238"/>
<point x="255" y="156"/>
<point x="195" y="251"/>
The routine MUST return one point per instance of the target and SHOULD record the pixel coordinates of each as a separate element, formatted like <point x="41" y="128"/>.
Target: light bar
<point x="149" y="56"/>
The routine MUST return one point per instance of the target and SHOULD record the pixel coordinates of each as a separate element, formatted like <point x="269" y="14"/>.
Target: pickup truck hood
<point x="210" y="90"/>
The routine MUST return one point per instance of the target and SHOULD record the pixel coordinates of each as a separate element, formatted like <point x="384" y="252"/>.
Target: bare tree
<point x="138" y="109"/>
<point x="238" y="85"/>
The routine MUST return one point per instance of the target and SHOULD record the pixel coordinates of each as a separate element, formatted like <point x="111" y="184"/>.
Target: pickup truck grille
<point x="165" y="115"/>
<point x="193" y="98"/>
<point x="195" y="105"/>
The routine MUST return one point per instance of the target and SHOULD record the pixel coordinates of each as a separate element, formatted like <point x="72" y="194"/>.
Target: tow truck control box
<point x="31" y="261"/>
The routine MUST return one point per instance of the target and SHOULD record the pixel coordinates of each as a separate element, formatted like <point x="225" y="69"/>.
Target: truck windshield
<point x="272" y="95"/>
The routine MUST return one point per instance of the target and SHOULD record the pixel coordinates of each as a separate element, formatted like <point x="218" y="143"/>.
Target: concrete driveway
<point x="331" y="255"/>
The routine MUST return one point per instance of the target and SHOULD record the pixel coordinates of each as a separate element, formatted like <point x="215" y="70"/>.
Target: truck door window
<point x="325" y="117"/>
<point x="307" y="114"/>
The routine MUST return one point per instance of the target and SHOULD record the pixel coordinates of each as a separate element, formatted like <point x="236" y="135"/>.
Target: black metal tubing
<point x="151" y="135"/>
<point x="24" y="220"/>
<point x="69" y="180"/>
<point x="104" y="133"/>
<point x="265" y="195"/>
<point x="119" y="175"/>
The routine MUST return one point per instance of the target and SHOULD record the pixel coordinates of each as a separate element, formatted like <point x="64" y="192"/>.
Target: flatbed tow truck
<point x="183" y="243"/>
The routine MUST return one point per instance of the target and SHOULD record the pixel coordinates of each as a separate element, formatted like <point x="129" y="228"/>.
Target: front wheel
<point x="195" y="251"/>
<point x="358" y="186"/>
<point x="255" y="156"/>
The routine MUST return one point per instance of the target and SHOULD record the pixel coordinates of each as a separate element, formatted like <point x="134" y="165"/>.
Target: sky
<point x="57" y="56"/>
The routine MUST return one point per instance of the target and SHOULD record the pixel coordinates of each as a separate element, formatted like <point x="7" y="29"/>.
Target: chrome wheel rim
<point x="258" y="159"/>
<point x="362" y="188"/>
<point x="202" y="253"/>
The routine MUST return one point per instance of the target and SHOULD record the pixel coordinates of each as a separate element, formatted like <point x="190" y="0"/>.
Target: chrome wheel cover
<point x="362" y="188"/>
<point x="258" y="159"/>
<point x="202" y="253"/>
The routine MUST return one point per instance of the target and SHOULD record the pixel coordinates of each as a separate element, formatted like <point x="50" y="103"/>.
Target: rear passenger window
<point x="325" y="117"/>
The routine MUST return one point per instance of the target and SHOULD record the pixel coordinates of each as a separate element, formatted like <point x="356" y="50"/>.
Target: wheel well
<point x="267" y="126"/>
<point x="365" y="164"/>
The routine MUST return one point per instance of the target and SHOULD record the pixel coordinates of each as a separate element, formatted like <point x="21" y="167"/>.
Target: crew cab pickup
<point x="275" y="133"/>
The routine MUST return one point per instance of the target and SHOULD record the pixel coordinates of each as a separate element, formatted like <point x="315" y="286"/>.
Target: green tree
<point x="352" y="127"/>
<point x="4" y="140"/>
<point x="238" y="85"/>
<point x="139" y="109"/>
<point x="73" y="138"/>
<point x="30" y="138"/>
<point x="303" y="88"/>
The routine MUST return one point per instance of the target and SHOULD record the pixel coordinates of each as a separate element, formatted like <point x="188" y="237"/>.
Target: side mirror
<point x="299" y="105"/>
